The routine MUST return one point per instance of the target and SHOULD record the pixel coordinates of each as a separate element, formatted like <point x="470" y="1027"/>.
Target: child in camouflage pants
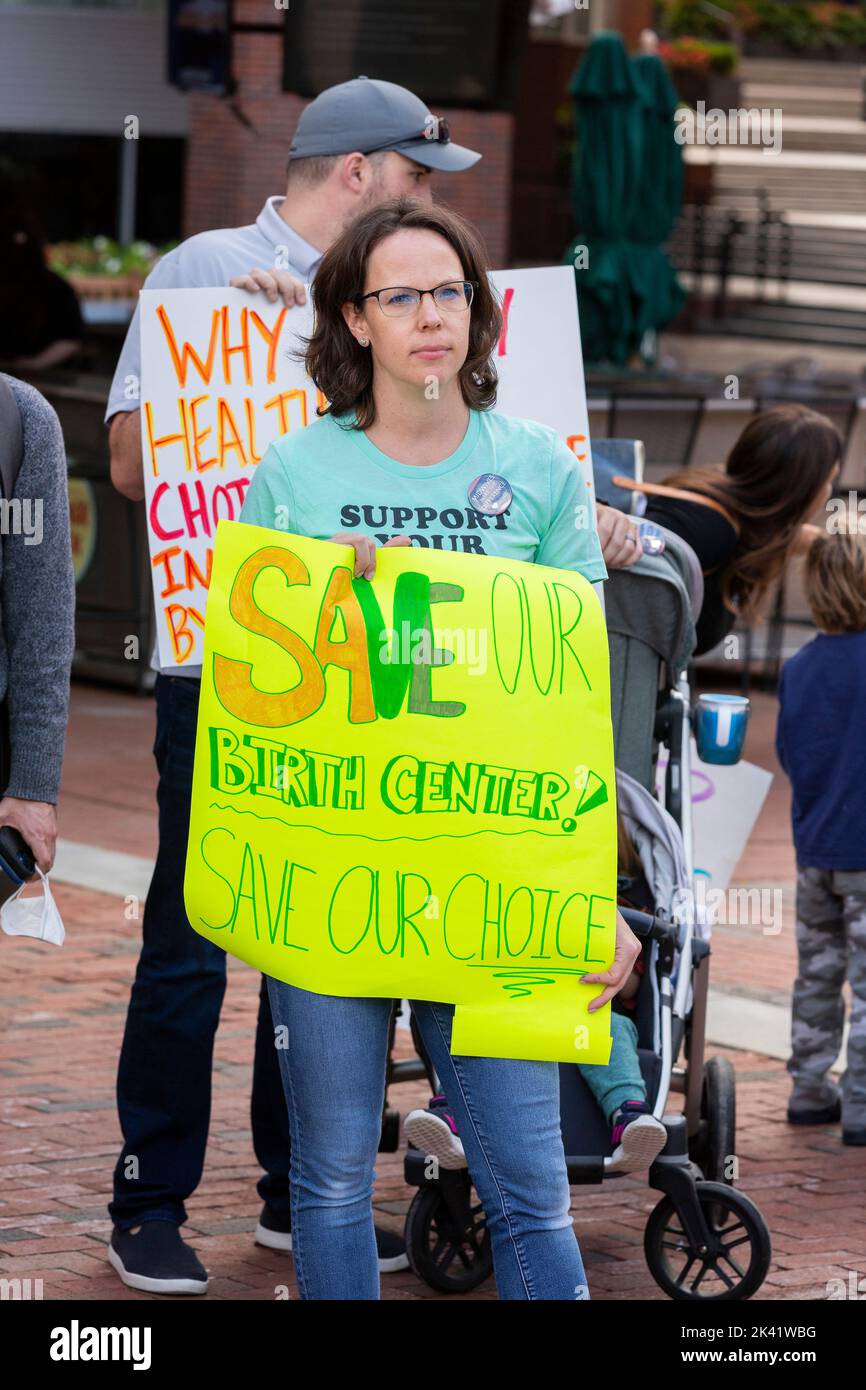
<point x="821" y="745"/>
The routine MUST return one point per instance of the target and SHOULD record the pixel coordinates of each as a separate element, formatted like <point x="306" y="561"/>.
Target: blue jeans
<point x="164" y="1074"/>
<point x="333" y="1064"/>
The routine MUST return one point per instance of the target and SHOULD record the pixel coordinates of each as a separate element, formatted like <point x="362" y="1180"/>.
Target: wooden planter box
<point x="106" y="286"/>
<point x="719" y="93"/>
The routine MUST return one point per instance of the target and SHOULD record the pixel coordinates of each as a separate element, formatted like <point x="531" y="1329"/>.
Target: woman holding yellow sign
<point x="410" y="452"/>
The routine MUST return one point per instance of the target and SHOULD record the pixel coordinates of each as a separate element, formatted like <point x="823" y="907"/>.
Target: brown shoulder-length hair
<point x="769" y="485"/>
<point x="340" y="367"/>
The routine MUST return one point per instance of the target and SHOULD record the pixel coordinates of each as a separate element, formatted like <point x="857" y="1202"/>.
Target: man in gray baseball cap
<point x="383" y="117"/>
<point x="356" y="145"/>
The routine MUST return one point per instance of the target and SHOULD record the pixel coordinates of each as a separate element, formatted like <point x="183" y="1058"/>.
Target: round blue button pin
<point x="491" y="494"/>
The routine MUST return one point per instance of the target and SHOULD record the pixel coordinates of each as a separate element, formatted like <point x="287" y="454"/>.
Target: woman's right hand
<point x="365" y="550"/>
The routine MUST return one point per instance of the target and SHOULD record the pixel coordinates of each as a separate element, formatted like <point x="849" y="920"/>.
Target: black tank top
<point x="714" y="541"/>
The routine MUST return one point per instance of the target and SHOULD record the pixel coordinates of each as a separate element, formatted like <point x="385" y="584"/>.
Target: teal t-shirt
<point x="328" y="478"/>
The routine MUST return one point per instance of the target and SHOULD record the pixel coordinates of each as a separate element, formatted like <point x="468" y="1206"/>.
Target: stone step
<point x="802" y="301"/>
<point x="816" y="141"/>
<point x="800" y="72"/>
<point x="831" y="134"/>
<point x="747" y="327"/>
<point x="805" y="101"/>
<point x="798" y="181"/>
<point x="789" y="161"/>
<point x="818" y="266"/>
<point x="802" y="204"/>
<point x="756" y="128"/>
<point x="808" y="184"/>
<point x="794" y="323"/>
<point x="831" y="222"/>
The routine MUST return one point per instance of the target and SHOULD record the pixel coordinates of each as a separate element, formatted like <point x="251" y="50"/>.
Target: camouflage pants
<point x="831" y="947"/>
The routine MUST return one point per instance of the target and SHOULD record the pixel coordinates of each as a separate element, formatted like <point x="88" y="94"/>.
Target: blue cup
<point x="720" y="728"/>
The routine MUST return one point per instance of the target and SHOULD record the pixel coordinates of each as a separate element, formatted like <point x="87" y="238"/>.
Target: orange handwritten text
<point x="185" y="356"/>
<point x="227" y="441"/>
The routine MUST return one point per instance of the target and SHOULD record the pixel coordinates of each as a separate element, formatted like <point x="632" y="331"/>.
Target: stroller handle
<point x="644" y="924"/>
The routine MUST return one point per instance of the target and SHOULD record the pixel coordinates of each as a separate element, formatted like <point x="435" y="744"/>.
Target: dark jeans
<point x="164" y="1075"/>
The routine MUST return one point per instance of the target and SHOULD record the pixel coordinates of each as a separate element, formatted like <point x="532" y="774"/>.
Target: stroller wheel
<point x="715" y="1144"/>
<point x="735" y="1263"/>
<point x="449" y="1256"/>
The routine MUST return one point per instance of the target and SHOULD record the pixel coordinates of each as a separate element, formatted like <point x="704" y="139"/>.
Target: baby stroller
<point x="704" y="1240"/>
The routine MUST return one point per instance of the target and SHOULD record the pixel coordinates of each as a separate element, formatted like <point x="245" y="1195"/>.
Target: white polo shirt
<point x="210" y="260"/>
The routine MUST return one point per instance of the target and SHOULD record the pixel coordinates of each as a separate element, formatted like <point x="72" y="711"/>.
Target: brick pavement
<point x="61" y="1020"/>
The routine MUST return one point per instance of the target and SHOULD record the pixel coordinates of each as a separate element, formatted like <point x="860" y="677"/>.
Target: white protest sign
<point x="219" y="384"/>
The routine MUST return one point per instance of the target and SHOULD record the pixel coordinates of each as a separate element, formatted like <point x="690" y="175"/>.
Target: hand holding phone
<point x="16" y="856"/>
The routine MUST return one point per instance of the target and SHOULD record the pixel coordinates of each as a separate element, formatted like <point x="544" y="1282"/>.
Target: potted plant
<point x="703" y="70"/>
<point x="823" y="29"/>
<point x="100" y="268"/>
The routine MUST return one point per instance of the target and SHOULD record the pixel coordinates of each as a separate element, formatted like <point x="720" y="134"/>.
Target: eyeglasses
<point x="396" y="301"/>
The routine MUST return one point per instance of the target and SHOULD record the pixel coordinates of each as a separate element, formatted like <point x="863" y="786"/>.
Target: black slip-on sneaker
<point x="153" y="1257"/>
<point x="826" y="1115"/>
<point x="856" y="1137"/>
<point x="274" y="1231"/>
<point x="392" y="1251"/>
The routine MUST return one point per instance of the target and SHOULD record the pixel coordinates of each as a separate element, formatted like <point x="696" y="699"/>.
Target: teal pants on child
<point x="621" y="1079"/>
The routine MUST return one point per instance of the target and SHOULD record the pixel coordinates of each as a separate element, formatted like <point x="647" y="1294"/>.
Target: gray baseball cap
<point x="367" y="114"/>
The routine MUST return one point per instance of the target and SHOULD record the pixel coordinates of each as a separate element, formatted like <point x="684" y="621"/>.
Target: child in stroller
<point x="705" y="1239"/>
<point x="637" y="1138"/>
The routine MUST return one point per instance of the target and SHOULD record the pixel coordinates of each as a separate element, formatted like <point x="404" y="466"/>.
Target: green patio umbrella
<point x="658" y="198"/>
<point x="609" y="121"/>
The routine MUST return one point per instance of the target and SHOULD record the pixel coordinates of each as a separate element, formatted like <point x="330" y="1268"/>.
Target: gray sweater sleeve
<point x="37" y="604"/>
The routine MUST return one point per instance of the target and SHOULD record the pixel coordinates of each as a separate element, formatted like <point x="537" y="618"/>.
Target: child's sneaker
<point x="637" y="1137"/>
<point x="434" y="1131"/>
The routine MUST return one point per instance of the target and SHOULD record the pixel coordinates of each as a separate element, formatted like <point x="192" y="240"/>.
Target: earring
<point x="364" y="342"/>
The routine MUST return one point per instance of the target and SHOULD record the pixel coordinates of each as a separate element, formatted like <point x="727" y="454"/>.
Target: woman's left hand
<point x="625" y="955"/>
<point x="618" y="536"/>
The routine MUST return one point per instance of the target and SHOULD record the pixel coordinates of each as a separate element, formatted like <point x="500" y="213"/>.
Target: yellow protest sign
<point x="405" y="787"/>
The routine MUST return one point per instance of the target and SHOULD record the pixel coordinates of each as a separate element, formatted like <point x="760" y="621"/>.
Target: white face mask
<point x="33" y="916"/>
